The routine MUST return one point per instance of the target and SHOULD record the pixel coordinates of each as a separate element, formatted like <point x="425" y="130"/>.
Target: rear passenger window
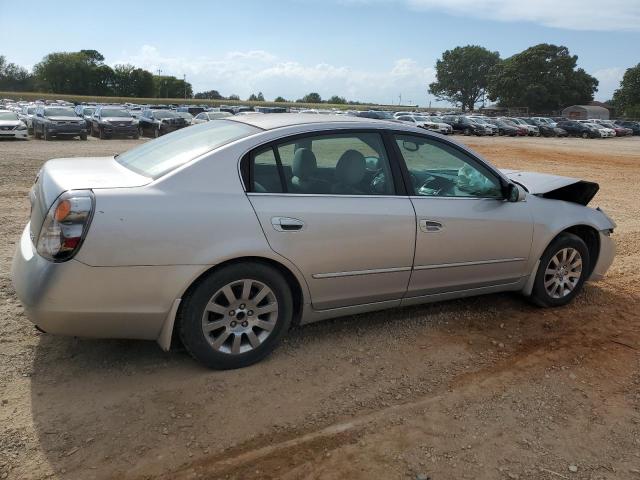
<point x="339" y="164"/>
<point x="266" y="178"/>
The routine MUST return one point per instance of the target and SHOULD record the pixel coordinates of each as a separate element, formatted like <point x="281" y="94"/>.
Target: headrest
<point x="304" y="163"/>
<point x="351" y="167"/>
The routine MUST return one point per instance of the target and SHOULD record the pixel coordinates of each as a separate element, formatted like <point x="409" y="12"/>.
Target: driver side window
<point x="439" y="170"/>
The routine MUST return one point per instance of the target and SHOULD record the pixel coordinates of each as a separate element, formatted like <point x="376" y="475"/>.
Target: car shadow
<point x="87" y="394"/>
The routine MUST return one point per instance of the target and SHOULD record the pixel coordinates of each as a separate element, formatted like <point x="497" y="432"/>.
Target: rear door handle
<point x="429" y="226"/>
<point x="287" y="224"/>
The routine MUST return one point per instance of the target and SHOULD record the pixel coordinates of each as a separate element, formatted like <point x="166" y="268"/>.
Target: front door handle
<point x="287" y="224"/>
<point x="429" y="226"/>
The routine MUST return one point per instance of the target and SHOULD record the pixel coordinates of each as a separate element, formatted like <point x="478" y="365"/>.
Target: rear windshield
<point x="158" y="157"/>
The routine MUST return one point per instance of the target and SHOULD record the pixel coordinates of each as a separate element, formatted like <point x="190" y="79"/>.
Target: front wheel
<point x="562" y="271"/>
<point x="83" y="136"/>
<point x="156" y="132"/>
<point x="45" y="133"/>
<point x="236" y="316"/>
<point x="585" y="135"/>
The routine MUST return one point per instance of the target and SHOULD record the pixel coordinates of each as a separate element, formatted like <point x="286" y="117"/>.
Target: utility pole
<point x="184" y="80"/>
<point x="159" y="85"/>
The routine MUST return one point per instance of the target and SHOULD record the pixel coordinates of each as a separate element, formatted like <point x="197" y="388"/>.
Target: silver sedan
<point x="225" y="234"/>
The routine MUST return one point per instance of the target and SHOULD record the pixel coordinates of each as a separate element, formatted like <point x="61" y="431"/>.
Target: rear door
<point x="329" y="204"/>
<point x="467" y="235"/>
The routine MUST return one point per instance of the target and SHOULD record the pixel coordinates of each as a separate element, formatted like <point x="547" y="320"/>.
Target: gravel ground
<point x="481" y="388"/>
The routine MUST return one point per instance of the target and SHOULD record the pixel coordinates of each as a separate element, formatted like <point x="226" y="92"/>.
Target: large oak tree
<point x="462" y="75"/>
<point x="543" y="78"/>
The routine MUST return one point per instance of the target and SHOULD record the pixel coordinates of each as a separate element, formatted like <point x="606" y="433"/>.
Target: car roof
<point x="270" y="121"/>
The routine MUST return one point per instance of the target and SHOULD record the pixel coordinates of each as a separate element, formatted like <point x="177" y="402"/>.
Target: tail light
<point x="66" y="225"/>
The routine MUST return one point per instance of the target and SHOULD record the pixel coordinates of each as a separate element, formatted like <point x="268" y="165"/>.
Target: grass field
<point x="31" y="96"/>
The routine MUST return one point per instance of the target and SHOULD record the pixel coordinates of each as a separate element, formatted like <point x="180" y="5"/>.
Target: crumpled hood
<point x="554" y="186"/>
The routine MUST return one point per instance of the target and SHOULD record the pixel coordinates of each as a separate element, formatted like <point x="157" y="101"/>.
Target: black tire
<point x="101" y="134"/>
<point x="156" y="132"/>
<point x="45" y="133"/>
<point x="36" y="134"/>
<point x="539" y="294"/>
<point x="83" y="136"/>
<point x="193" y="307"/>
<point x="585" y="135"/>
<point x="467" y="131"/>
<point x="136" y="136"/>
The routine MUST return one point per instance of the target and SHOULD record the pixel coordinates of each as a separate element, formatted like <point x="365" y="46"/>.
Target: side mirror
<point x="512" y="193"/>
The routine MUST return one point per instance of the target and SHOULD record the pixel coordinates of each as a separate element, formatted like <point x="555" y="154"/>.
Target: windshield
<point x="156" y="158"/>
<point x="59" y="112"/>
<point x="31" y="110"/>
<point x="114" y="113"/>
<point x="8" y="116"/>
<point x="88" y="111"/>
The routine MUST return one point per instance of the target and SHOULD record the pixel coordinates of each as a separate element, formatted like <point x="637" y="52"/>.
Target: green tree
<point x="167" y="86"/>
<point x="462" y="75"/>
<point x="252" y="98"/>
<point x="311" y="98"/>
<point x="280" y="99"/>
<point x="74" y="72"/>
<point x="543" y="78"/>
<point x="260" y="97"/>
<point x="627" y="98"/>
<point x="13" y="77"/>
<point x="235" y="97"/>
<point x="209" y="95"/>
<point x="337" y="100"/>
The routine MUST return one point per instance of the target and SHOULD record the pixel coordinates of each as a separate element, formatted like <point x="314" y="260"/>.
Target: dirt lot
<point x="484" y="388"/>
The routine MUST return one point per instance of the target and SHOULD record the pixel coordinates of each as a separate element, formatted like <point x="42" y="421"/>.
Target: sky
<point x="381" y="51"/>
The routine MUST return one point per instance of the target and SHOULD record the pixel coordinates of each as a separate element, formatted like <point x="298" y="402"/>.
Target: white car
<point x="28" y="111"/>
<point x="11" y="126"/>
<point x="205" y="117"/>
<point x="426" y="122"/>
<point x="605" y="132"/>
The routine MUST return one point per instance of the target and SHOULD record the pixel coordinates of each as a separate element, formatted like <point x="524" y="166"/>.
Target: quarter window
<point x="266" y="177"/>
<point x="439" y="170"/>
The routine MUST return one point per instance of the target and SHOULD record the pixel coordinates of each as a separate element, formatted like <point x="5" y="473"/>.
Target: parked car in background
<point x="619" y="130"/>
<point x="54" y="121"/>
<point x="604" y="131"/>
<point x="187" y="116"/>
<point x="466" y="126"/>
<point x="26" y="115"/>
<point x="108" y="122"/>
<point x="85" y="112"/>
<point x="532" y="130"/>
<point x="485" y="123"/>
<point x="577" y="129"/>
<point x="505" y="128"/>
<point x="426" y="122"/>
<point x="633" y="126"/>
<point x="208" y="116"/>
<point x="376" y="114"/>
<point x="11" y="126"/>
<point x="247" y="225"/>
<point x="191" y="109"/>
<point x="159" y="122"/>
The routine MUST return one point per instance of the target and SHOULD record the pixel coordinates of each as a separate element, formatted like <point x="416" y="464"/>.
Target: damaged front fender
<point x="554" y="187"/>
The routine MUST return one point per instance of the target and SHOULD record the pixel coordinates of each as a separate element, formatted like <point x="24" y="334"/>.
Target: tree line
<point x="543" y="78"/>
<point x="85" y="73"/>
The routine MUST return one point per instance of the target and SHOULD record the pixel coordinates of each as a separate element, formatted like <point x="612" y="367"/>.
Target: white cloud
<point x="609" y="79"/>
<point x="611" y="15"/>
<point x="244" y="73"/>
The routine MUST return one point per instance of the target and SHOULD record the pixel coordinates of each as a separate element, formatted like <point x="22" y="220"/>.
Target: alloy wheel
<point x="563" y="273"/>
<point x="240" y="316"/>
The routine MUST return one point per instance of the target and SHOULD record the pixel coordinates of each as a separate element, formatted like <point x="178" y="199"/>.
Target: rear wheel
<point x="585" y="134"/>
<point x="236" y="316"/>
<point x="36" y="134"/>
<point x="467" y="131"/>
<point x="83" y="136"/>
<point x="45" y="133"/>
<point x="562" y="271"/>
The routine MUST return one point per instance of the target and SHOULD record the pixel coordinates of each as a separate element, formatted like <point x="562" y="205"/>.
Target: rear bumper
<point x="72" y="298"/>
<point x="605" y="258"/>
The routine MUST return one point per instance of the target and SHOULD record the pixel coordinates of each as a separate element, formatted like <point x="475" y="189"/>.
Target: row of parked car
<point x="63" y="119"/>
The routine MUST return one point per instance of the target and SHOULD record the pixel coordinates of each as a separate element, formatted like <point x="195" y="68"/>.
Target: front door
<point x="468" y="236"/>
<point x="328" y="203"/>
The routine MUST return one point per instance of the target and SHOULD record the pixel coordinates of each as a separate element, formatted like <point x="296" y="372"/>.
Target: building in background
<point x="585" y="112"/>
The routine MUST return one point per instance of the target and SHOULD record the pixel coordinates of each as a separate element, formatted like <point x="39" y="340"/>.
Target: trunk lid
<point x="62" y="174"/>
<point x="555" y="186"/>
